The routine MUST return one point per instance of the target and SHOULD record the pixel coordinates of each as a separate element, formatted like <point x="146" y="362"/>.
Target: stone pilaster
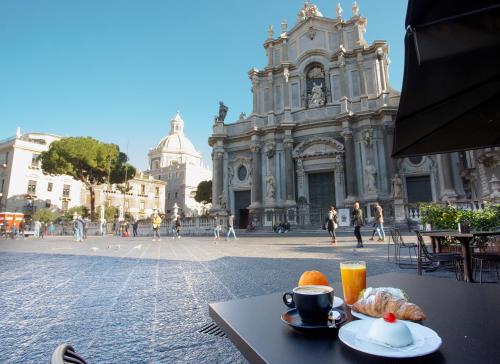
<point x="289" y="173"/>
<point x="256" y="190"/>
<point x="218" y="179"/>
<point x="448" y="191"/>
<point x="350" y="163"/>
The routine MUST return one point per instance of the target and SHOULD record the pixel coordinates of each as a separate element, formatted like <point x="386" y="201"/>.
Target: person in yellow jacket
<point x="156" y="227"/>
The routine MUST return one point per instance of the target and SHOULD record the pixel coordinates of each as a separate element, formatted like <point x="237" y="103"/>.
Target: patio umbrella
<point x="450" y="99"/>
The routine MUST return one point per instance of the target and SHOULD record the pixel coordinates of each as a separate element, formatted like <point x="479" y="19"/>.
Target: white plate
<point x="337" y="302"/>
<point x="425" y="340"/>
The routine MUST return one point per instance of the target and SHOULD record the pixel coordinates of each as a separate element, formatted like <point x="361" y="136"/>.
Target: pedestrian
<point x="172" y="227"/>
<point x="21" y="228"/>
<point x="81" y="228"/>
<point x="332" y="224"/>
<point x="36" y="229"/>
<point x="102" y="227"/>
<point x="85" y="227"/>
<point x="156" y="227"/>
<point x="14" y="231"/>
<point x="42" y="230"/>
<point x="78" y="228"/>
<point x="230" y="224"/>
<point x="379" y="223"/>
<point x="217" y="228"/>
<point x="178" y="227"/>
<point x="75" y="229"/>
<point x="357" y="218"/>
<point x="135" y="225"/>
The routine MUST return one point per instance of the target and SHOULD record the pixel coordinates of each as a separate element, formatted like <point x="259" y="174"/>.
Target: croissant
<point x="383" y="302"/>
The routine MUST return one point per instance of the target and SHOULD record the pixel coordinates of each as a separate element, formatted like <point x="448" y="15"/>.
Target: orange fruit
<point x="313" y="278"/>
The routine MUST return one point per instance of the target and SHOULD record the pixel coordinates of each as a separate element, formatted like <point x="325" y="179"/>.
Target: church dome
<point x="176" y="142"/>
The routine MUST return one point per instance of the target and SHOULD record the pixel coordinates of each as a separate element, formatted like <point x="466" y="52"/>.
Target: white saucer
<point x="425" y="340"/>
<point x="337" y="302"/>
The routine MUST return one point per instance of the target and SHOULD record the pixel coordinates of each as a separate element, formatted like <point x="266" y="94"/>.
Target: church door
<point x="419" y="189"/>
<point x="321" y="196"/>
<point x="241" y="203"/>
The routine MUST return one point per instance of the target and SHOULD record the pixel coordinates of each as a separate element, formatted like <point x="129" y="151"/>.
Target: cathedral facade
<point x="321" y="131"/>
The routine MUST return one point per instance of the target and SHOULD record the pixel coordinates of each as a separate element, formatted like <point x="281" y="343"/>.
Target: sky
<point x="118" y="70"/>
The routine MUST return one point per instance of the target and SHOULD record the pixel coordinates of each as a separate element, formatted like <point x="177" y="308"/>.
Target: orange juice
<point x="353" y="280"/>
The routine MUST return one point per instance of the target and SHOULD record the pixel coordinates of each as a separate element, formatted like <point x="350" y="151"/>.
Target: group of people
<point x="282" y="227"/>
<point x="358" y="220"/>
<point x="79" y="228"/>
<point x="176" y="227"/>
<point x="218" y="227"/>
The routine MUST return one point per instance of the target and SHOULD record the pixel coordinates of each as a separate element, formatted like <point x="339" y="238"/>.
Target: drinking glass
<point x="353" y="275"/>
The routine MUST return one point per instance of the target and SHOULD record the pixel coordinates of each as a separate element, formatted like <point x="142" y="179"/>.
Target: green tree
<point x="110" y="213"/>
<point x="87" y="160"/>
<point x="204" y="192"/>
<point x="83" y="211"/>
<point x="45" y="215"/>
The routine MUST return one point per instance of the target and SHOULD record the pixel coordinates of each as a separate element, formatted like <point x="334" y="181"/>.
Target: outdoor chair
<point x="435" y="261"/>
<point x="400" y="245"/>
<point x="65" y="354"/>
<point x="487" y="258"/>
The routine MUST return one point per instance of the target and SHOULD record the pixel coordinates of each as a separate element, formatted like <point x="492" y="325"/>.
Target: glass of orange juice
<point x="353" y="275"/>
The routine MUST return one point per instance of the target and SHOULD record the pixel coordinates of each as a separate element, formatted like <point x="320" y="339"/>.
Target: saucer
<point x="292" y="318"/>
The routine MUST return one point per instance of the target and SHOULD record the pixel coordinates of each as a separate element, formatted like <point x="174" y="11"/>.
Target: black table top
<point x="467" y="317"/>
<point x="456" y="234"/>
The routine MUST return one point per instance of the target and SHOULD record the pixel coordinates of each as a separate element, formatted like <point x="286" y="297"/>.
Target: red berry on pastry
<point x="389" y="317"/>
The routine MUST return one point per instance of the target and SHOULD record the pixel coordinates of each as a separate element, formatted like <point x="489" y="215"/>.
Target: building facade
<point x="23" y="185"/>
<point x="321" y="130"/>
<point x="176" y="161"/>
<point x="142" y="197"/>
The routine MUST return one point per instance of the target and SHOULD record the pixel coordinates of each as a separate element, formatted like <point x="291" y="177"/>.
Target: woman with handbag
<point x="332" y="224"/>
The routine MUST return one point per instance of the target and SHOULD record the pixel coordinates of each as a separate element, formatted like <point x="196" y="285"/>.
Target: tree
<point x="87" y="160"/>
<point x="111" y="213"/>
<point x="82" y="211"/>
<point x="204" y="192"/>
<point x="45" y="215"/>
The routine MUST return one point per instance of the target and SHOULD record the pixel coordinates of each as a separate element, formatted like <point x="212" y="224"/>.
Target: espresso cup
<point x="313" y="303"/>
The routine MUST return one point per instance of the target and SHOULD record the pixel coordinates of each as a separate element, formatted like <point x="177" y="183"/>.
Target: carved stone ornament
<point x="316" y="97"/>
<point x="355" y="9"/>
<point x="309" y="10"/>
<point x="270" y="32"/>
<point x="370" y="177"/>
<point x="270" y="188"/>
<point x="316" y="72"/>
<point x="368" y="137"/>
<point x="311" y="33"/>
<point x="222" y="111"/>
<point x="316" y="147"/>
<point x="270" y="150"/>
<point x="283" y="27"/>
<point x="396" y="187"/>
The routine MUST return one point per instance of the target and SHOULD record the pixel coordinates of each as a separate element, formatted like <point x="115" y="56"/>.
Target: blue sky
<point x="118" y="70"/>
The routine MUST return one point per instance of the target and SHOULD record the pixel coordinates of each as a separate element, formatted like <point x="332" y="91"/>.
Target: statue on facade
<point x="230" y="175"/>
<point x="120" y="213"/>
<point x="242" y="116"/>
<point x="222" y="111"/>
<point x="370" y="177"/>
<point x="317" y="97"/>
<point x="355" y="9"/>
<point x="396" y="187"/>
<point x="338" y="10"/>
<point x="270" y="188"/>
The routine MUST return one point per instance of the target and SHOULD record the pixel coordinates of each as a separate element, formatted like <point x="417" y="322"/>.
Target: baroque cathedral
<point x="321" y="132"/>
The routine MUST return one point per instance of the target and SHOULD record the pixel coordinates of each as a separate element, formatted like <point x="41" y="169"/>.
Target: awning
<point x="450" y="99"/>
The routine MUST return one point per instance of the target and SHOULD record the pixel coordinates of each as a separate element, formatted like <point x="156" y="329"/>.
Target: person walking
<point x="156" y="227"/>
<point x="178" y="227"/>
<point x="42" y="230"/>
<point x="135" y="225"/>
<point x="36" y="229"/>
<point x="78" y="228"/>
<point x="379" y="223"/>
<point x="230" y="224"/>
<point x="217" y="228"/>
<point x="332" y="223"/>
<point x="357" y="218"/>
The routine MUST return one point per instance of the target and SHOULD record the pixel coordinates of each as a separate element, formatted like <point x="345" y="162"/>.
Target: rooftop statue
<point x="222" y="111"/>
<point x="309" y="10"/>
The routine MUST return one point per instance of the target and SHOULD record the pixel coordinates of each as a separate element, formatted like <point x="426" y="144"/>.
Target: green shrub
<point x="448" y="217"/>
<point x="45" y="215"/>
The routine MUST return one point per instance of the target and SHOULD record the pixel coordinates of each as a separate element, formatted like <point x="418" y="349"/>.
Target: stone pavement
<point x="131" y="300"/>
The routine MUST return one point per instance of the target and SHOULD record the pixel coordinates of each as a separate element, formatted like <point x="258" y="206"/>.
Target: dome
<point x="176" y="142"/>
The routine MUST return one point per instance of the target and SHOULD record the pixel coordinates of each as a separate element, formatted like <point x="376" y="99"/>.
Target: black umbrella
<point x="451" y="88"/>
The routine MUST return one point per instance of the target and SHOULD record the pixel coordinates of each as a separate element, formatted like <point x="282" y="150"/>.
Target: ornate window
<point x="242" y="173"/>
<point x="315" y="86"/>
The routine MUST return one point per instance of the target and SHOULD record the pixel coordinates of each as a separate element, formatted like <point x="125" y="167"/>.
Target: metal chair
<point x="65" y="354"/>
<point x="488" y="257"/>
<point x="434" y="261"/>
<point x="400" y="244"/>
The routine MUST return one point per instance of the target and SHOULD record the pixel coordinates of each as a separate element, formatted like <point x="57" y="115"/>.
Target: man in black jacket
<point x="358" y="220"/>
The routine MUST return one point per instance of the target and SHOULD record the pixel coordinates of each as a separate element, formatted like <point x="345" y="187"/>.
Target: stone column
<point x="289" y="173"/>
<point x="255" y="92"/>
<point x="256" y="191"/>
<point x="448" y="192"/>
<point x="350" y="162"/>
<point x="218" y="176"/>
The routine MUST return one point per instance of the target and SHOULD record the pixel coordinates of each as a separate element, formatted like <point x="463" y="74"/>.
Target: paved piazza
<point x="131" y="300"/>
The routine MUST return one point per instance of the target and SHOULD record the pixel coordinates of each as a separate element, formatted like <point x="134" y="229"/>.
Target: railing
<point x="413" y="210"/>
